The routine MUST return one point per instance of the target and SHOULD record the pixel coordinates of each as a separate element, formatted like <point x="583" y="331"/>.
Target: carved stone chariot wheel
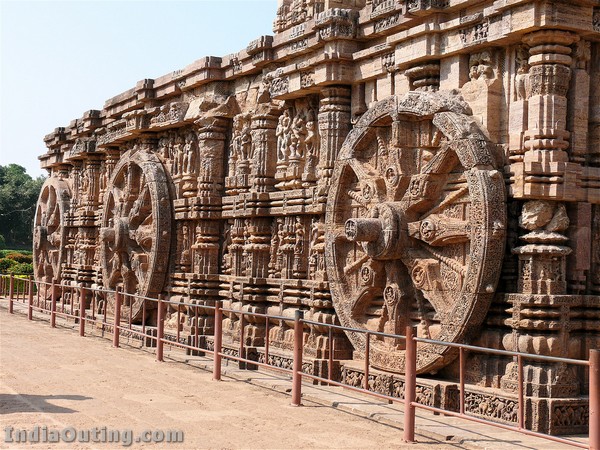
<point x="416" y="222"/>
<point x="49" y="232"/>
<point x="136" y="230"/>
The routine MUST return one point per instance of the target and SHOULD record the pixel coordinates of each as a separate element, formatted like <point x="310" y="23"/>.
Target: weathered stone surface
<point x="375" y="163"/>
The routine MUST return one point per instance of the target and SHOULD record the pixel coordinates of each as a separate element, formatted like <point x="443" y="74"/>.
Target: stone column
<point x="205" y="249"/>
<point x="211" y="147"/>
<point x="541" y="310"/>
<point x="257" y="247"/>
<point x="334" y="126"/>
<point x="547" y="138"/>
<point x="424" y="77"/>
<point x="264" y="149"/>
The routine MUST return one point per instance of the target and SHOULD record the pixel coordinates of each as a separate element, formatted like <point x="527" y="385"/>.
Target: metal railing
<point x="30" y="293"/>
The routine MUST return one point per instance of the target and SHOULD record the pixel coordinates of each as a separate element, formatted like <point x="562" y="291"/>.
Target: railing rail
<point x="43" y="297"/>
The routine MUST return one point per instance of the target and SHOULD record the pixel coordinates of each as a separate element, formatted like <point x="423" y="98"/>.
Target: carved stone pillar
<point x="257" y="245"/>
<point x="334" y="126"/>
<point x="91" y="188"/>
<point x="211" y="146"/>
<point x="424" y="77"/>
<point x="236" y="247"/>
<point x="546" y="167"/>
<point x="542" y="261"/>
<point x="205" y="249"/>
<point x="541" y="309"/>
<point x="264" y="148"/>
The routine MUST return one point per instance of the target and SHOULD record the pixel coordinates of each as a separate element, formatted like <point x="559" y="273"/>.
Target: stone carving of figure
<point x="281" y="235"/>
<point x="583" y="54"/>
<point x="299" y="240"/>
<point x="241" y="143"/>
<point x="246" y="139"/>
<point x="163" y="145"/>
<point x="298" y="136"/>
<point x="311" y="140"/>
<point x="283" y="136"/>
<point x="522" y="62"/>
<point x="185" y="246"/>
<point x="177" y="156"/>
<point x="235" y="148"/>
<point x="226" y="255"/>
<point x="311" y="143"/>
<point x="481" y="66"/>
<point x="189" y="153"/>
<point x="275" y="244"/>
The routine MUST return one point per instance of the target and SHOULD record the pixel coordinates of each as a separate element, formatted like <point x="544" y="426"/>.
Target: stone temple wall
<point x="375" y="163"/>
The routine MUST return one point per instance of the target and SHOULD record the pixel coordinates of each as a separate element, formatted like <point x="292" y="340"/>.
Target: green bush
<point x="22" y="269"/>
<point x="6" y="264"/>
<point x="20" y="257"/>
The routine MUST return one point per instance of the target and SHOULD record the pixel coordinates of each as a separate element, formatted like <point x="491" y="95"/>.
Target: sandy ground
<point x="58" y="380"/>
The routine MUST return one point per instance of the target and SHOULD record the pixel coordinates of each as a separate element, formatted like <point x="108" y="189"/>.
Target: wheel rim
<point x="136" y="230"/>
<point x="49" y="230"/>
<point x="415" y="227"/>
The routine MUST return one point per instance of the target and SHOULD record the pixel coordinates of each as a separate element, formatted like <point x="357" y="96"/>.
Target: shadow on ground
<point x="16" y="403"/>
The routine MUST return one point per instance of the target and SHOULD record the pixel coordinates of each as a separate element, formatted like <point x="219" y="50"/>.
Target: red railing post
<point x="160" y="332"/>
<point x="461" y="375"/>
<point x="11" y="293"/>
<point x="521" y="404"/>
<point x="367" y="359"/>
<point x="117" y="321"/>
<point x="53" y="306"/>
<point x="81" y="311"/>
<point x="30" y="298"/>
<point x="297" y="363"/>
<point x="410" y="385"/>
<point x="242" y="350"/>
<point x="594" y="420"/>
<point x="218" y="341"/>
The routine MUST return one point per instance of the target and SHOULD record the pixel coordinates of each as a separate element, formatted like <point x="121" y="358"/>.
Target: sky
<point x="60" y="59"/>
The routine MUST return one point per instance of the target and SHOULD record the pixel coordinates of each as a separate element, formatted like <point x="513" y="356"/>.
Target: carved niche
<point x="415" y="227"/>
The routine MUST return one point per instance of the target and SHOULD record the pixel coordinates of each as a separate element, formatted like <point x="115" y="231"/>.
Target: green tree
<point x="18" y="197"/>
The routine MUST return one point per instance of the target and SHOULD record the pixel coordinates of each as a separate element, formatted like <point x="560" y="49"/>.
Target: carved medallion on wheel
<point x="49" y="232"/>
<point x="136" y="230"/>
<point x="416" y="220"/>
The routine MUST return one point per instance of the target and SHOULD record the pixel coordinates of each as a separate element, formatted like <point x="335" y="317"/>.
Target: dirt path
<point x="56" y="379"/>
